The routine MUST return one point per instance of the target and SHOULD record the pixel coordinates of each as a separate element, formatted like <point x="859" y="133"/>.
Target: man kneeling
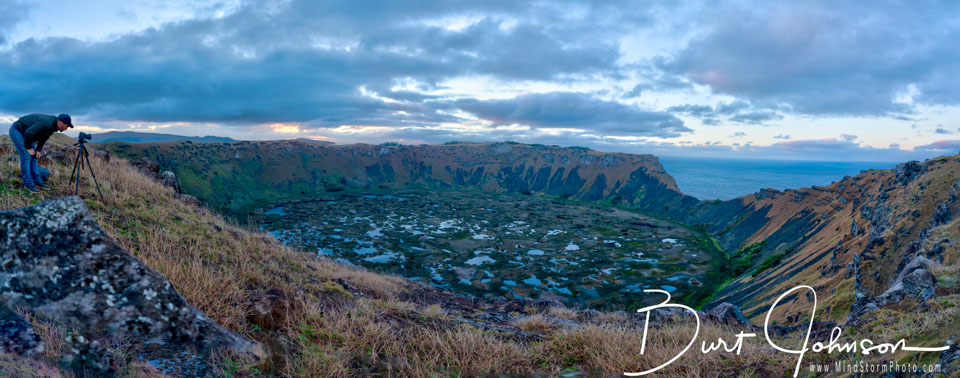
<point x="28" y="134"/>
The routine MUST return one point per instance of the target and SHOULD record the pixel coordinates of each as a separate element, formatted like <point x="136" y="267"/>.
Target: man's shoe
<point x="32" y="189"/>
<point x="44" y="187"/>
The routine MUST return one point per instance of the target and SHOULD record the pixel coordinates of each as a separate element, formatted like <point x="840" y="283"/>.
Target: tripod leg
<point x="75" y="164"/>
<point x="78" y="167"/>
<point x="94" y="175"/>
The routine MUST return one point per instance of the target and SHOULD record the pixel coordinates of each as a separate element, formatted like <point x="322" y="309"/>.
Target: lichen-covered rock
<point x="189" y="200"/>
<point x="728" y="314"/>
<point x="913" y="281"/>
<point x="17" y="336"/>
<point x="168" y="178"/>
<point x="950" y="358"/>
<point x="57" y="262"/>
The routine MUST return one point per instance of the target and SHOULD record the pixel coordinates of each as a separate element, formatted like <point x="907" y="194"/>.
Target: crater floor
<point x="493" y="245"/>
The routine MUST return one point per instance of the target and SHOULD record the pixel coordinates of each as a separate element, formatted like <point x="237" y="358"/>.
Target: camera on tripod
<point x="83" y="160"/>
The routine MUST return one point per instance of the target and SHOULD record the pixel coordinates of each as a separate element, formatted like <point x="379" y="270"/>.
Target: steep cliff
<point x="235" y="176"/>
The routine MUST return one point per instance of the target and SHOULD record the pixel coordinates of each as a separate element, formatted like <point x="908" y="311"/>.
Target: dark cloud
<point x="756" y="118"/>
<point x="699" y="111"/>
<point x="781" y="136"/>
<point x="575" y="110"/>
<point x="736" y="111"/>
<point x="739" y="134"/>
<point x="827" y="58"/>
<point x="302" y="61"/>
<point x="731" y="108"/>
<point x="636" y="91"/>
<point x="941" y="130"/>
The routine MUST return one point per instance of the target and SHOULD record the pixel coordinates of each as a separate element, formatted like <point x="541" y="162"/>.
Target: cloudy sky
<point x="866" y="81"/>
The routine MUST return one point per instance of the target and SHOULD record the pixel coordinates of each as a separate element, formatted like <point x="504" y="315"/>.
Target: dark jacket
<point x="36" y="128"/>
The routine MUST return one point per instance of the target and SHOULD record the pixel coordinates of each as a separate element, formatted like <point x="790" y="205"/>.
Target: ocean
<point x="713" y="178"/>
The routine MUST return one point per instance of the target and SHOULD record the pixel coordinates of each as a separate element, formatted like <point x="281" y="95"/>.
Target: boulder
<point x="102" y="154"/>
<point x="189" y="200"/>
<point x="147" y="167"/>
<point x="920" y="283"/>
<point x="56" y="261"/>
<point x="915" y="280"/>
<point x="270" y="310"/>
<point x="729" y="315"/>
<point x="950" y="358"/>
<point x="17" y="336"/>
<point x="168" y="178"/>
<point x="60" y="156"/>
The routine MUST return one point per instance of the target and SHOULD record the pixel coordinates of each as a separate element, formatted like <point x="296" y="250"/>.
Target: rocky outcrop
<point x="58" y="263"/>
<point x="147" y="167"/>
<point x="914" y="281"/>
<point x="908" y="171"/>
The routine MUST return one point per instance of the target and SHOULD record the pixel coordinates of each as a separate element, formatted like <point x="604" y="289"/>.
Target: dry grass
<point x="434" y="312"/>
<point x="562" y="313"/>
<point x="536" y="324"/>
<point x="369" y="331"/>
<point x="610" y="317"/>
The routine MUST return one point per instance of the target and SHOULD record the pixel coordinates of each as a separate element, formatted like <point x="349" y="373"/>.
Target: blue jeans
<point x="29" y="170"/>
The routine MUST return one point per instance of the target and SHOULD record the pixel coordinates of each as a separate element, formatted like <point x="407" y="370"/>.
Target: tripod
<point x="82" y="155"/>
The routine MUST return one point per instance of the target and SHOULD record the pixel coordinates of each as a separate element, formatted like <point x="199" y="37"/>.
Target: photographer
<point x="31" y="131"/>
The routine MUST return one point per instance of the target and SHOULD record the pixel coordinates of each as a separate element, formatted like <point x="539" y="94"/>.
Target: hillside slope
<point x="810" y="235"/>
<point x="321" y="318"/>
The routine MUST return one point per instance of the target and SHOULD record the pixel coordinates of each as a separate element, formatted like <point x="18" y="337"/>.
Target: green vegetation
<point x="742" y="260"/>
<point x="770" y="261"/>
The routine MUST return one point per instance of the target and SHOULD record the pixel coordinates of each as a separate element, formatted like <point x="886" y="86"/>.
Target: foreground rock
<point x="913" y="282"/>
<point x="57" y="262"/>
<point x="17" y="335"/>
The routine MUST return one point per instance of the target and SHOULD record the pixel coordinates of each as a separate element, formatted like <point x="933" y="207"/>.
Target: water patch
<point x="365" y="250"/>
<point x="480" y="260"/>
<point x="386" y="257"/>
<point x="276" y="211"/>
<point x="533" y="281"/>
